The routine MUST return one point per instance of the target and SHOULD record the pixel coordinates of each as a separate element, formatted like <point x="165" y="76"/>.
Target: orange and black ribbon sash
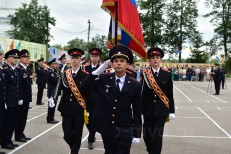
<point x="152" y="82"/>
<point x="77" y="94"/>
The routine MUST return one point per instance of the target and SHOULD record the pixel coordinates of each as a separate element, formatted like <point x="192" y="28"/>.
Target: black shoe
<point x="215" y="94"/>
<point x="21" y="140"/>
<point x="14" y="145"/>
<point x="40" y="103"/>
<point x="27" y="138"/>
<point x="8" y="147"/>
<point x="90" y="146"/>
<point x="30" y="108"/>
<point x="2" y="153"/>
<point x="52" y="122"/>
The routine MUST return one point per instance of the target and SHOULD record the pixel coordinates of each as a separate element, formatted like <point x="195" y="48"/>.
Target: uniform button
<point x="116" y="100"/>
<point x="71" y="94"/>
<point x="155" y="95"/>
<point x="114" y="108"/>
<point x="70" y="99"/>
<point x="113" y="115"/>
<point x="154" y="100"/>
<point x="113" y="122"/>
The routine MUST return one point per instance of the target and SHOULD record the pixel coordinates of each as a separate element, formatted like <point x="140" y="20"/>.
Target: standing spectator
<point x="197" y="71"/>
<point x="184" y="74"/>
<point x="180" y="73"/>
<point x="208" y="71"/>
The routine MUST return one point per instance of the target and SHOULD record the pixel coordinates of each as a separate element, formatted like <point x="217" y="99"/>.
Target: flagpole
<point x="116" y="21"/>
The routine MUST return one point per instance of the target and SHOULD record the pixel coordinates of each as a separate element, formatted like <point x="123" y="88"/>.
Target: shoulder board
<point x="85" y="71"/>
<point x="128" y="71"/>
<point x="164" y="69"/>
<point x="5" y="67"/>
<point x="133" y="79"/>
<point x="19" y="66"/>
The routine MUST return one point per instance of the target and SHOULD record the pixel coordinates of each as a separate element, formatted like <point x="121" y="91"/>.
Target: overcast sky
<point x="72" y="17"/>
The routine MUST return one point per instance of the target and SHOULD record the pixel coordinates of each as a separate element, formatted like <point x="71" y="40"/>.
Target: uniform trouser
<point x="91" y="137"/>
<point x="223" y="83"/>
<point x="153" y="129"/>
<point x="1" y="124"/>
<point x="73" y="129"/>
<point x="217" y="84"/>
<point x="21" y="118"/>
<point x="40" y="93"/>
<point x="8" y="125"/>
<point x="51" y="112"/>
<point x="114" y="145"/>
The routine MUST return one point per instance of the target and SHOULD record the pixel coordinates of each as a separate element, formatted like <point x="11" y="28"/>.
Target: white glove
<point x="135" y="140"/>
<point x="102" y="67"/>
<point x="51" y="102"/>
<point x="20" y="102"/>
<point x="5" y="106"/>
<point x="172" y="116"/>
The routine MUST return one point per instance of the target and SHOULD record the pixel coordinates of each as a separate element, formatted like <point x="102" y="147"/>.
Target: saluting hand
<point x="102" y="67"/>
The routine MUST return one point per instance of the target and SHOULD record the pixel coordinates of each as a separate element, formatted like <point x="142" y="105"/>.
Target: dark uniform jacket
<point x="25" y="91"/>
<point x="52" y="80"/>
<point x="89" y="68"/>
<point x="152" y="105"/>
<point x="217" y="75"/>
<point x="41" y="75"/>
<point x="223" y="72"/>
<point x="90" y="97"/>
<point x="115" y="116"/>
<point x="2" y="90"/>
<point x="12" y="86"/>
<point x="68" y="104"/>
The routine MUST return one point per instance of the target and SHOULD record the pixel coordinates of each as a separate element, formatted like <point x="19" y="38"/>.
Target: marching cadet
<point x="52" y="80"/>
<point x="157" y="101"/>
<point x="12" y="98"/>
<point x="217" y="78"/>
<point x="41" y="71"/>
<point x="63" y="61"/>
<point x="25" y="92"/>
<point x="72" y="105"/>
<point x="2" y="97"/>
<point x="95" y="54"/>
<point x="117" y="115"/>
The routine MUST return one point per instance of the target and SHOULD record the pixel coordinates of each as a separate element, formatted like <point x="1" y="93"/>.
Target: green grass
<point x="228" y="75"/>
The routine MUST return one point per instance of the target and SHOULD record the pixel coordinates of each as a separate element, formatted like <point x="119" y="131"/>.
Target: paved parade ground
<point x="202" y="125"/>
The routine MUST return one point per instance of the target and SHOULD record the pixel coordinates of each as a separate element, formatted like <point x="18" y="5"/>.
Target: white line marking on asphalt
<point x="36" y="117"/>
<point x="99" y="149"/>
<point x="214" y="122"/>
<point x="183" y="94"/>
<point x="34" y="138"/>
<point x="85" y="138"/>
<point x="210" y="95"/>
<point x="192" y="117"/>
<point x="203" y="137"/>
<point x="218" y="108"/>
<point x="208" y="101"/>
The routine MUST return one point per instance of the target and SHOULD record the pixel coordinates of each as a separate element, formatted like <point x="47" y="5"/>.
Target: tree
<point x="151" y="18"/>
<point x="198" y="56"/>
<point x="77" y="43"/>
<point x="31" y="23"/>
<point x="181" y="24"/>
<point x="221" y="18"/>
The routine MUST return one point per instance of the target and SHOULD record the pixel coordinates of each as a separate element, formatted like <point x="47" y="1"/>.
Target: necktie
<point x="117" y="86"/>
<point x="156" y="74"/>
<point x="74" y="74"/>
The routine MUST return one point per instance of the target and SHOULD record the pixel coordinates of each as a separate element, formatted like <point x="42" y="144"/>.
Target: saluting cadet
<point x="52" y="80"/>
<point x="117" y="115"/>
<point x="95" y="54"/>
<point x="63" y="61"/>
<point x="157" y="101"/>
<point x="25" y="92"/>
<point x="41" y="71"/>
<point x="12" y="97"/>
<point x="2" y="97"/>
<point x="217" y="78"/>
<point x="72" y="105"/>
